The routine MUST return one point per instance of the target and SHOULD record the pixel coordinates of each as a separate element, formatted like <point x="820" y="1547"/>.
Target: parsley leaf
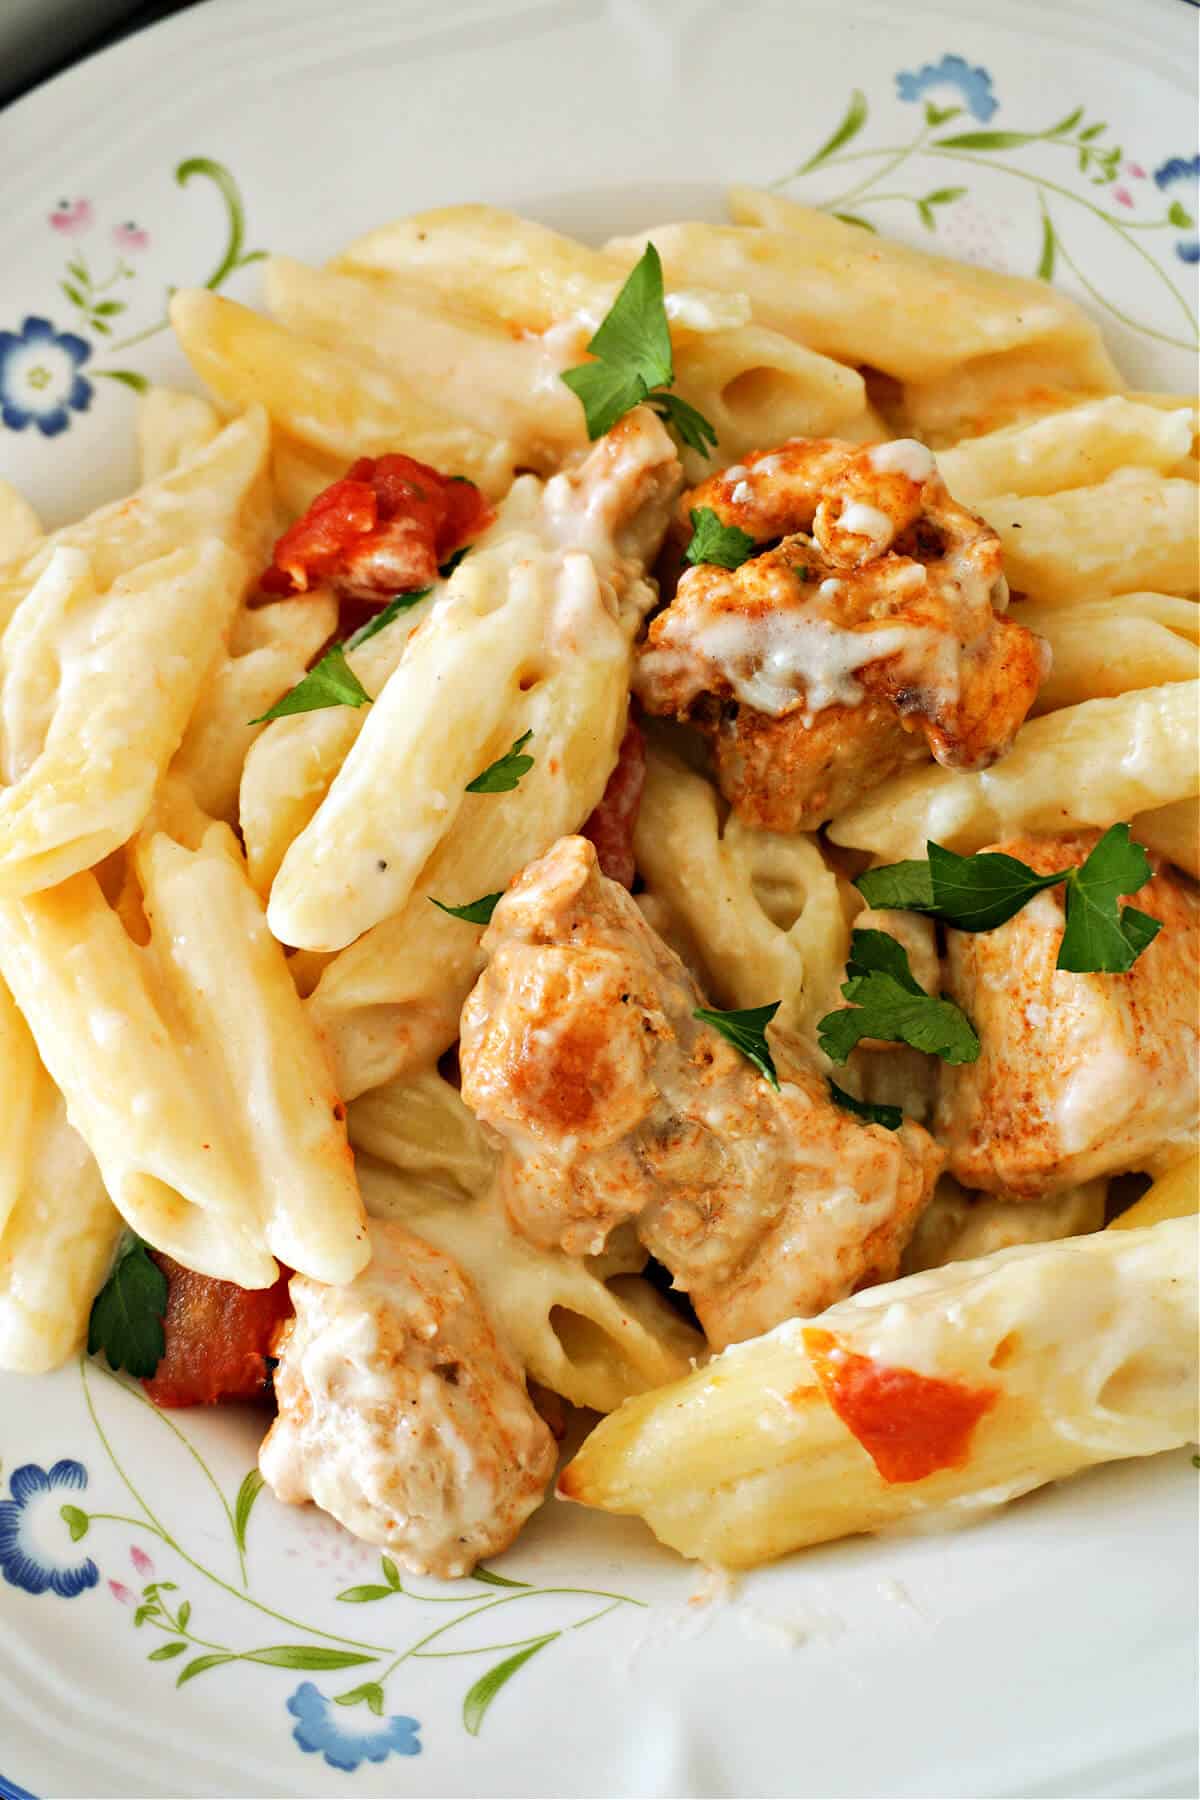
<point x="606" y="394"/>
<point x="635" y="334"/>
<point x="978" y="893"/>
<point x="888" y="1003"/>
<point x="475" y="912"/>
<point x="727" y="546"/>
<point x="127" y="1313"/>
<point x="1099" y="935"/>
<point x="502" y="776"/>
<point x="747" y="1032"/>
<point x="692" y="426"/>
<point x="331" y="682"/>
<point x="890" y="1117"/>
<point x="399" y="604"/>
<point x="972" y="893"/>
<point x="632" y="348"/>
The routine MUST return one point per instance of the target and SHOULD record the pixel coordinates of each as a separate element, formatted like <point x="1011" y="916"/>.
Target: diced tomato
<point x="610" y="827"/>
<point x="384" y="529"/>
<point x="910" y="1425"/>
<point x="217" y="1335"/>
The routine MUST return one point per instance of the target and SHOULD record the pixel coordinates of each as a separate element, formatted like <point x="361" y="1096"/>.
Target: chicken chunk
<point x="403" y="1415"/>
<point x="1079" y="1075"/>
<point x="871" y="635"/>
<point x="582" y="1054"/>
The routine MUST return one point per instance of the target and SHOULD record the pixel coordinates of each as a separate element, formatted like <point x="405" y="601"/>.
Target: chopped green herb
<point x="331" y="682"/>
<point x="451" y="563"/>
<point x="978" y="893"/>
<point x="1099" y="934"/>
<point x="502" y="776"/>
<point x="747" y="1032"/>
<point x="888" y="1003"/>
<point x="127" y="1313"/>
<point x="475" y="912"/>
<point x="690" y="424"/>
<point x="727" y="546"/>
<point x="890" y="1117"/>
<point x="399" y="604"/>
<point x="632" y="348"/>
<point x="803" y="572"/>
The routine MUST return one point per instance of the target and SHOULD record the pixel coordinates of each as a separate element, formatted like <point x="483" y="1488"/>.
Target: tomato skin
<point x="610" y="827"/>
<point x="218" y="1337"/>
<point x="384" y="528"/>
<point x="910" y="1425"/>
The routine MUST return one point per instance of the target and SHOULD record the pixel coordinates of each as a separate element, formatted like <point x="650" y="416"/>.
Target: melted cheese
<point x="902" y="456"/>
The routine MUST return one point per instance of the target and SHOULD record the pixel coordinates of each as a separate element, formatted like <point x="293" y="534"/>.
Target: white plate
<point x="1049" y="1651"/>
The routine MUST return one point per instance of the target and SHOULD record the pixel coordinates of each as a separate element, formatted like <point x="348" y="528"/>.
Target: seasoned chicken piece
<point x="581" y="1053"/>
<point x="403" y="1415"/>
<point x="871" y="635"/>
<point x="1079" y="1075"/>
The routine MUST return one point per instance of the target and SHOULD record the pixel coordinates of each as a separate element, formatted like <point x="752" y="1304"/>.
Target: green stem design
<point x="896" y="156"/>
<point x="200" y="1463"/>
<point x="155" y="1524"/>
<point x="234" y="256"/>
<point x="418" y="1649"/>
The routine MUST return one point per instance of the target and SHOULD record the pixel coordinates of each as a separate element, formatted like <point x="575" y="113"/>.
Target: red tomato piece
<point x="610" y="827"/>
<point x="384" y="529"/>
<point x="910" y="1425"/>
<point x="217" y="1335"/>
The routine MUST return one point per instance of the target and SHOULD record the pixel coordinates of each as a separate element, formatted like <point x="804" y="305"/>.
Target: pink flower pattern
<point x="71" y="217"/>
<point x="1122" y="196"/>
<point x="129" y="236"/>
<point x="120" y="1592"/>
<point x="141" y="1562"/>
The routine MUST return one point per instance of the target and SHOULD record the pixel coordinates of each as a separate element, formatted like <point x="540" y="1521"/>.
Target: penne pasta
<point x="95" y="693"/>
<point x="758" y="386"/>
<point x="223" y="492"/>
<point x="1137" y="530"/>
<point x="747" y="1459"/>
<point x="1107" y="647"/>
<point x="1088" y="765"/>
<point x="761" y="914"/>
<point x="172" y="427"/>
<point x="495" y="265"/>
<point x="478" y="371"/>
<point x="58" y="1228"/>
<point x="957" y="1226"/>
<point x="269" y="650"/>
<point x="1172" y="831"/>
<point x="864" y="299"/>
<point x="1077" y="448"/>
<point x="218" y="1132"/>
<point x="595" y="1342"/>
<point x="20" y="527"/>
<point x="328" y="399"/>
<point x="1175" y="1195"/>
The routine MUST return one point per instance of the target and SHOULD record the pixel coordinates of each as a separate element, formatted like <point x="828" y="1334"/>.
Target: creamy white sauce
<point x="903" y="456"/>
<point x="769" y="659"/>
<point x="861" y="520"/>
<point x="742" y="493"/>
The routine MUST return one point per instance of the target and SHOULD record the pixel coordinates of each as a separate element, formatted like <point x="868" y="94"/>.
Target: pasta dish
<point x="607" y="847"/>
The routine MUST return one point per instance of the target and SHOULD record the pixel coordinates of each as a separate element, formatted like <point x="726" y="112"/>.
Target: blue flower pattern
<point x="1181" y="171"/>
<point x="35" y="1546"/>
<point x="973" y="86"/>
<point x="343" y="1744"/>
<point x="40" y="383"/>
